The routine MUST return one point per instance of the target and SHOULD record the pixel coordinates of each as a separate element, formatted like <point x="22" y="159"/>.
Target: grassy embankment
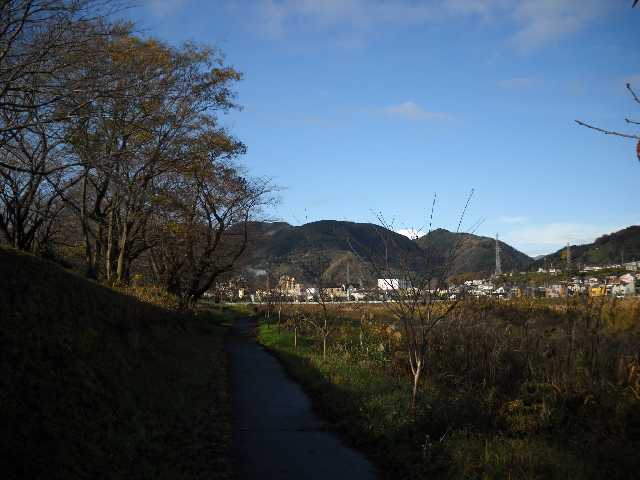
<point x="97" y="384"/>
<point x="511" y="390"/>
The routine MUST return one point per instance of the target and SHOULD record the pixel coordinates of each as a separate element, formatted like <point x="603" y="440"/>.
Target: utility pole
<point x="498" y="264"/>
<point x="348" y="286"/>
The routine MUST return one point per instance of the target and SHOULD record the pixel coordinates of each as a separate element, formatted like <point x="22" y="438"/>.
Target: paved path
<point x="276" y="435"/>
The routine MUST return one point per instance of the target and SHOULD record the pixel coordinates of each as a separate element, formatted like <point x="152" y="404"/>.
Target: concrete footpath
<point x="276" y="434"/>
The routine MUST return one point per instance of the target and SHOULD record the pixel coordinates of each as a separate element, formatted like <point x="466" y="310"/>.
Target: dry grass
<point x="522" y="389"/>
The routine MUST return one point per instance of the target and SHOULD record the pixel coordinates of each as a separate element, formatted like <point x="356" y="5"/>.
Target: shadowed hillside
<point x="472" y="253"/>
<point x="285" y="249"/>
<point x="330" y="245"/>
<point x="96" y="384"/>
<point x="606" y="250"/>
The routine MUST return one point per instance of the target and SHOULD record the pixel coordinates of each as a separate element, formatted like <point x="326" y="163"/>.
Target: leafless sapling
<point x="415" y="293"/>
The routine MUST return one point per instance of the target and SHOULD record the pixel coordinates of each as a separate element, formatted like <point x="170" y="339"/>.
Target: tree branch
<point x="607" y="132"/>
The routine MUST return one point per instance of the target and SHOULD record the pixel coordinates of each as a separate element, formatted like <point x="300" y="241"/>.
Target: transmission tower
<point x="498" y="265"/>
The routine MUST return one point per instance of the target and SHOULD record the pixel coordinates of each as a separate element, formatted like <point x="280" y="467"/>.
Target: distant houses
<point x="596" y="284"/>
<point x="625" y="285"/>
<point x="632" y="266"/>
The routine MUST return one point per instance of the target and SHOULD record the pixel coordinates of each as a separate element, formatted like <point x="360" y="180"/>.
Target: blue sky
<point x="363" y="106"/>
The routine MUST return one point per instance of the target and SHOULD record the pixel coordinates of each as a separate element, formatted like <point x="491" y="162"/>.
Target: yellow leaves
<point x="141" y="137"/>
<point x="176" y="229"/>
<point x="134" y="52"/>
<point x="225" y="74"/>
<point x="181" y="230"/>
<point x="513" y="405"/>
<point x="76" y="250"/>
<point x="151" y="294"/>
<point x="161" y="199"/>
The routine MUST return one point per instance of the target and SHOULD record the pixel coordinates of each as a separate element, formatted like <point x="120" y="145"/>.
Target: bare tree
<point x="40" y="43"/>
<point x="202" y="224"/>
<point x="627" y="120"/>
<point x="416" y="295"/>
<point x="31" y="185"/>
<point x="49" y="71"/>
<point x="267" y="296"/>
<point x="324" y="322"/>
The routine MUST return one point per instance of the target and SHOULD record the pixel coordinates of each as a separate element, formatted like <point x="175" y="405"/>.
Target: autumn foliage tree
<point x="126" y="142"/>
<point x="202" y="217"/>
<point x="110" y="143"/>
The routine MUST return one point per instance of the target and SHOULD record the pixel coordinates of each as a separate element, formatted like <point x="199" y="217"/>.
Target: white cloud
<point x="547" y="238"/>
<point x="411" y="111"/>
<point x="354" y="12"/>
<point x="273" y="17"/>
<point x="545" y="21"/>
<point x="533" y="23"/>
<point x="411" y="233"/>
<point x="346" y="24"/>
<point x="558" y="233"/>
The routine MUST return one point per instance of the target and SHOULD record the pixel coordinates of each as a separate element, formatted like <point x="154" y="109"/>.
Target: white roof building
<point x="390" y="284"/>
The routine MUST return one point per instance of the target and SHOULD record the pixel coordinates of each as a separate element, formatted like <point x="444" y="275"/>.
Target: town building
<point x="390" y="284"/>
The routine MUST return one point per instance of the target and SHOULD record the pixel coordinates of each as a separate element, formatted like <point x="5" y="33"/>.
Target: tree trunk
<point x="111" y="243"/>
<point x="88" y="255"/>
<point x="16" y="224"/>
<point x="279" y="316"/>
<point x="324" y="347"/>
<point x="417" y="373"/>
<point x="91" y="271"/>
<point x="122" y="256"/>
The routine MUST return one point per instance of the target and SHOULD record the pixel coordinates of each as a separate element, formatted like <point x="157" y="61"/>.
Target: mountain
<point x="331" y="245"/>
<point x="266" y="229"/>
<point x="607" y="249"/>
<point x="472" y="254"/>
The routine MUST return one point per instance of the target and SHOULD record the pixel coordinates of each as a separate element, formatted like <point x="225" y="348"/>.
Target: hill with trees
<point x="472" y="254"/>
<point x="605" y="250"/>
<point x="327" y="247"/>
<point x="281" y="249"/>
